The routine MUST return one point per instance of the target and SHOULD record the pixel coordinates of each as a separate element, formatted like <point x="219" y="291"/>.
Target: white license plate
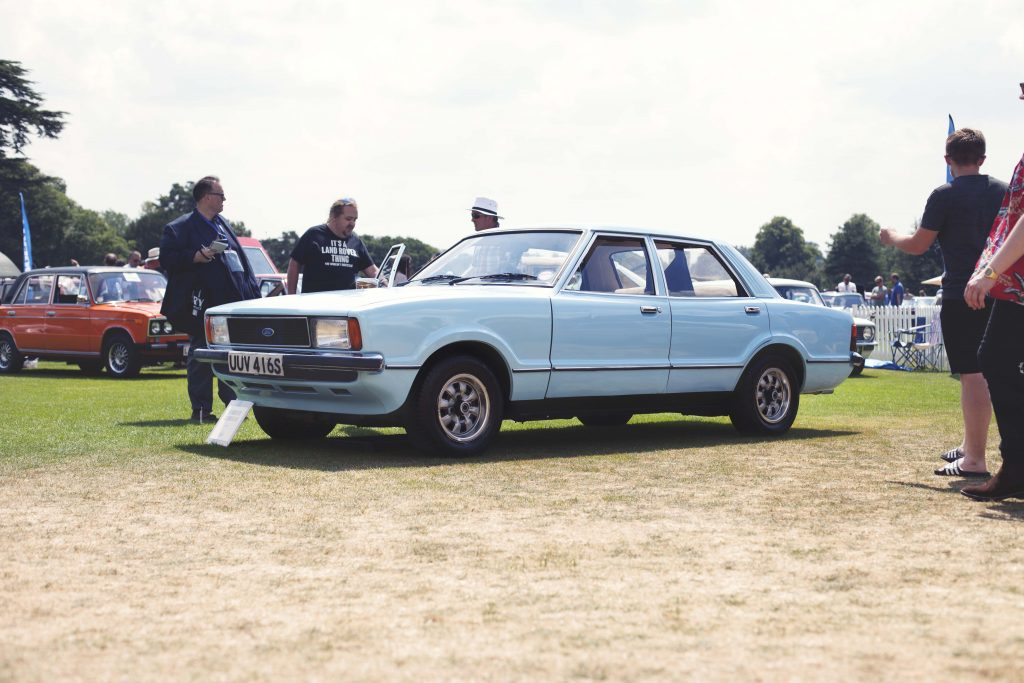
<point x="256" y="363"/>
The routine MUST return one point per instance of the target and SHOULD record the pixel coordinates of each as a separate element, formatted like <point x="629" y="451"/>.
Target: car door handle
<point x="752" y="310"/>
<point x="649" y="310"/>
<point x="12" y="313"/>
<point x="50" y="314"/>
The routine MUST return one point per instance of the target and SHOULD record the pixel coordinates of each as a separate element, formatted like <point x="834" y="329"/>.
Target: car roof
<point x="786" y="282"/>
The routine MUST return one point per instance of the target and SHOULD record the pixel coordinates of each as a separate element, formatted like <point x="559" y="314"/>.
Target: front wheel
<point x="120" y="357"/>
<point x="292" y="425"/>
<point x="767" y="398"/>
<point x="11" y="360"/>
<point x="456" y="408"/>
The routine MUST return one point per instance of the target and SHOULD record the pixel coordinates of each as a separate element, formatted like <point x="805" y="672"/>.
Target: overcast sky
<point x="707" y="118"/>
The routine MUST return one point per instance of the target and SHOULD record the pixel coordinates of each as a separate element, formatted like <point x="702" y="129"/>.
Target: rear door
<point x="68" y="328"/>
<point x="610" y="328"/>
<point x="716" y="325"/>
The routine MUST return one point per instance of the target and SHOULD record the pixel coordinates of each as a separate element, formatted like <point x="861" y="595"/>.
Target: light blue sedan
<point x="534" y="324"/>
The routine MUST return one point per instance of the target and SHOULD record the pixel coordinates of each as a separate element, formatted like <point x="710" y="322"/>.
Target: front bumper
<point x="865" y="348"/>
<point x="303" y="366"/>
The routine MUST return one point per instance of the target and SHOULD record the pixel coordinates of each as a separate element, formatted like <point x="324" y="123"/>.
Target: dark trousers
<point x="1001" y="357"/>
<point x="200" y="379"/>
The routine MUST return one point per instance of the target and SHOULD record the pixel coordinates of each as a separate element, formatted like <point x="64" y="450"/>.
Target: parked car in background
<point x="843" y="299"/>
<point x="805" y="292"/>
<point x="94" y="316"/>
<point x="600" y="324"/>
<point x="267" y="274"/>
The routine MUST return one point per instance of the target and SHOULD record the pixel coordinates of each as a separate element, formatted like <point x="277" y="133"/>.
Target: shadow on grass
<point x="1006" y="510"/>
<point x="75" y="372"/>
<point x="362" y="448"/>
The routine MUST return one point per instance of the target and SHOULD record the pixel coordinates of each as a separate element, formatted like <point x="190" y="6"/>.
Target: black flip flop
<point x="952" y="455"/>
<point x="953" y="470"/>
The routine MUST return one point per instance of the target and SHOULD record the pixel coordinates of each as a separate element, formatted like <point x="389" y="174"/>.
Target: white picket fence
<point x="890" y="319"/>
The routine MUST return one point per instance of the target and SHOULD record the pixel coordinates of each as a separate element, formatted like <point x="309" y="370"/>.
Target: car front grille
<point x="269" y="331"/>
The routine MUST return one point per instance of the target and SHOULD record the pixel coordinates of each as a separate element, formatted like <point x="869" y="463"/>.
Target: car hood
<point x="861" y="322"/>
<point x="151" y="308"/>
<point x="352" y="301"/>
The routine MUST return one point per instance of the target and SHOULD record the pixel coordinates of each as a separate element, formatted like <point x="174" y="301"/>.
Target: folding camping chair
<point x="918" y="347"/>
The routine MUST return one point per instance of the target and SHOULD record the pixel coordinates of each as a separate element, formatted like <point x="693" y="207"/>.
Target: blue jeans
<point x="200" y="379"/>
<point x="1001" y="357"/>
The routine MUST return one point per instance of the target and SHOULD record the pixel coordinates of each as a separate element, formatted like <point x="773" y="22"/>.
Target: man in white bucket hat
<point x="484" y="214"/>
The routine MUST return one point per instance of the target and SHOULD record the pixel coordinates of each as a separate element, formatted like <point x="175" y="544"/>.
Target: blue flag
<point x="949" y="173"/>
<point x="26" y="251"/>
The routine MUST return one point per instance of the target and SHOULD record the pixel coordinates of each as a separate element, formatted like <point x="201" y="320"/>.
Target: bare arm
<point x="915" y="244"/>
<point x="1011" y="251"/>
<point x="370" y="271"/>
<point x="293" y="275"/>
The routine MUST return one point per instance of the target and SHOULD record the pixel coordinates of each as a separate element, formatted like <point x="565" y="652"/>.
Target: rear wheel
<point x="605" y="419"/>
<point x="292" y="425"/>
<point x="456" y="409"/>
<point x="120" y="357"/>
<point x="11" y="360"/>
<point x="767" y="397"/>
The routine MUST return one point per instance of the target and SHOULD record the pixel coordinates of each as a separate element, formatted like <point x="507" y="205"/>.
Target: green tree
<point x="280" y="248"/>
<point x="912" y="269"/>
<point x="855" y="249"/>
<point x="48" y="208"/>
<point x="89" y="236"/>
<point x="781" y="251"/>
<point x="21" y="111"/>
<point x="419" y="252"/>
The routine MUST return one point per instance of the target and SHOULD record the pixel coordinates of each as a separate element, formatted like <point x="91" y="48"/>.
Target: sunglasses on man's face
<point x="476" y="215"/>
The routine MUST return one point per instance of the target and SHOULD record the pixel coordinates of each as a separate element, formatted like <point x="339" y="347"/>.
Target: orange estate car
<point x="98" y="317"/>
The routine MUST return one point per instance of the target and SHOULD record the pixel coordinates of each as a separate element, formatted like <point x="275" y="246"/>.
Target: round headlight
<point x="869" y="333"/>
<point x="168" y="328"/>
<point x="154" y="327"/>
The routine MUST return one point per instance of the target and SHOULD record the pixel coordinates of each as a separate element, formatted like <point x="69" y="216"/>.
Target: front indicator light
<point x="337" y="333"/>
<point x="217" y="329"/>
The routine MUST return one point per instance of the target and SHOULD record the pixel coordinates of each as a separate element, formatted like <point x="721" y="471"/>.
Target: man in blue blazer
<point x="203" y="258"/>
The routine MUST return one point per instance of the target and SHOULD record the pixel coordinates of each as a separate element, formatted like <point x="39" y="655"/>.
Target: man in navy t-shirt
<point x="330" y="255"/>
<point x="959" y="215"/>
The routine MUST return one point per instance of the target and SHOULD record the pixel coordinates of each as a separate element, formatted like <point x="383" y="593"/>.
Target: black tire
<point x="120" y="357"/>
<point x="293" y="425"/>
<point x="91" y="367"/>
<point x="455" y="409"/>
<point x="605" y="419"/>
<point x="11" y="360"/>
<point x="767" y="397"/>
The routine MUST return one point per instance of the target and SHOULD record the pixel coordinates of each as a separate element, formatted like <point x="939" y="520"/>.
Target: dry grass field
<point x="670" y="549"/>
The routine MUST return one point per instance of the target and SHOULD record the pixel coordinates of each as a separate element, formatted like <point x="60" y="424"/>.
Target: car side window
<point x="614" y="265"/>
<point x="36" y="290"/>
<point x="68" y="289"/>
<point x="694" y="270"/>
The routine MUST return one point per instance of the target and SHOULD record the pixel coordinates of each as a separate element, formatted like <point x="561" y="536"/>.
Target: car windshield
<point x="529" y="258"/>
<point x="128" y="285"/>
<point x="806" y="295"/>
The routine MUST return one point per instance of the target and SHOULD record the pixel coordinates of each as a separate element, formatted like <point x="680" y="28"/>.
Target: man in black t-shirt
<point x="330" y="255"/>
<point x="960" y="214"/>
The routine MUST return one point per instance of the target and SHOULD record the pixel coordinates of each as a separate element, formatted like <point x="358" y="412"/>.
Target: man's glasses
<point x="217" y="194"/>
<point x="476" y="215"/>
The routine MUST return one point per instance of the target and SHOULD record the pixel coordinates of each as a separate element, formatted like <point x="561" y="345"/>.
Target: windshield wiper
<point x="495" y="276"/>
<point x="438" y="278"/>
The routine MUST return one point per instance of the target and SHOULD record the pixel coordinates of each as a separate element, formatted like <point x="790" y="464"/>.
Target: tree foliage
<point x="21" y="111"/>
<point x="61" y="229"/>
<point x="781" y="251"/>
<point x="419" y="252"/>
<point x="855" y="249"/>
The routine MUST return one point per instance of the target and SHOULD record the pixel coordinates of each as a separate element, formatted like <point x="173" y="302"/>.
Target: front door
<point x="610" y="329"/>
<point x="68" y="326"/>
